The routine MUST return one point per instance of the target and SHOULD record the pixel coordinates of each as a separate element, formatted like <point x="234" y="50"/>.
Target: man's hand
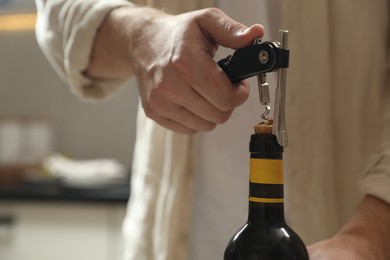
<point x="365" y="236"/>
<point x="181" y="86"/>
<point x="340" y="248"/>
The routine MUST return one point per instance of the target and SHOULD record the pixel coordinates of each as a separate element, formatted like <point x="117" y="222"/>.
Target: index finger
<point x="214" y="85"/>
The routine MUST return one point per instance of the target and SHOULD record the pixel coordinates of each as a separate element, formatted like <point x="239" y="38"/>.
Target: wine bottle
<point x="266" y="236"/>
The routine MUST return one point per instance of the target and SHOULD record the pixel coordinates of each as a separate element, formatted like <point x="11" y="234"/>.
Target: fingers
<point x="170" y="114"/>
<point x="173" y="125"/>
<point x="201" y="107"/>
<point x="196" y="68"/>
<point x="225" y="31"/>
<point x="214" y="85"/>
<point x="175" y="103"/>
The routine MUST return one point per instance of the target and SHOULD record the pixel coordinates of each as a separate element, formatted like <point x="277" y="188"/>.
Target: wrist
<point x="369" y="228"/>
<point x="143" y="30"/>
<point x="115" y="41"/>
<point x="139" y="25"/>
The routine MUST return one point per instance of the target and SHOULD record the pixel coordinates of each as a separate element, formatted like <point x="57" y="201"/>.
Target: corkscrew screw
<point x="257" y="60"/>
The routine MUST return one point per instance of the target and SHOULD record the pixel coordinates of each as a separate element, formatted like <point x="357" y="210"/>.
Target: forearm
<point x="111" y="55"/>
<point x="371" y="226"/>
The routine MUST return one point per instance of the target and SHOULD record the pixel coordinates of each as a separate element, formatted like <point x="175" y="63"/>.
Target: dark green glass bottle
<point x="266" y="236"/>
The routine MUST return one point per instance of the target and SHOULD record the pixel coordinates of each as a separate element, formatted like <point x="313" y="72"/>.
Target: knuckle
<point x="190" y="132"/>
<point x="233" y="99"/>
<point x="161" y="88"/>
<point x="149" y="111"/>
<point x="152" y="105"/>
<point x="221" y="17"/>
<point x="204" y="127"/>
<point x="232" y="27"/>
<point x="212" y="11"/>
<point x="210" y="127"/>
<point x="227" y="104"/>
<point x="224" y="117"/>
<point x="180" y="62"/>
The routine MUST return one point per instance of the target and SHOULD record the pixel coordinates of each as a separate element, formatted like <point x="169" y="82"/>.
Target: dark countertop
<point x="55" y="191"/>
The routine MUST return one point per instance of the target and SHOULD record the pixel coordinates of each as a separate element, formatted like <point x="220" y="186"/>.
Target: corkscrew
<point x="257" y="60"/>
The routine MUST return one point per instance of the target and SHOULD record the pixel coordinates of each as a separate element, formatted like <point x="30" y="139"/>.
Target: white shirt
<point x="329" y="144"/>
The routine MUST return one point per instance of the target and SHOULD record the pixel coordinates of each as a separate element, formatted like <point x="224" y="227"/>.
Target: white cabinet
<point x="56" y="231"/>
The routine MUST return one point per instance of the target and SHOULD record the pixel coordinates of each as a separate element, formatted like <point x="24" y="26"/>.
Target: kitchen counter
<point x="56" y="221"/>
<point x="53" y="191"/>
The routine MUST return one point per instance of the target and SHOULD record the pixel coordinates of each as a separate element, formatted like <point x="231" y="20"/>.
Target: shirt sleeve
<point x="376" y="178"/>
<point x="65" y="31"/>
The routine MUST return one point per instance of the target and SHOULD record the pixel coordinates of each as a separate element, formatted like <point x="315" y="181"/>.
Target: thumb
<point x="225" y="31"/>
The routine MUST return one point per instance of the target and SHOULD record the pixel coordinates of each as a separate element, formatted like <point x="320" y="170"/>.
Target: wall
<point x="30" y="87"/>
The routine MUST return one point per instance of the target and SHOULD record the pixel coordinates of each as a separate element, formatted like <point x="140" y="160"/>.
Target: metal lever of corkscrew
<point x="258" y="59"/>
<point x="279" y="126"/>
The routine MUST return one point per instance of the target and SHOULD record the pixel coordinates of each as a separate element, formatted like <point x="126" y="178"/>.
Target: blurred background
<point x="48" y="139"/>
<point x="64" y="163"/>
<point x="30" y="88"/>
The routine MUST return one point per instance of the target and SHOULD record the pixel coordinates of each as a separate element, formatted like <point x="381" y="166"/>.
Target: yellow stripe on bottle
<point x="266" y="200"/>
<point x="266" y="171"/>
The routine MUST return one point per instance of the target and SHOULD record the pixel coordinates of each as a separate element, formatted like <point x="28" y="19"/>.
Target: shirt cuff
<point x="376" y="179"/>
<point x="79" y="46"/>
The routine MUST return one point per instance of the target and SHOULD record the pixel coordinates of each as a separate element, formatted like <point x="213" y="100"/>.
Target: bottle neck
<point x="266" y="191"/>
<point x="266" y="181"/>
<point x="266" y="214"/>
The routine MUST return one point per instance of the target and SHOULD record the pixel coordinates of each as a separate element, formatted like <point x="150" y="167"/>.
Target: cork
<point x="264" y="128"/>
